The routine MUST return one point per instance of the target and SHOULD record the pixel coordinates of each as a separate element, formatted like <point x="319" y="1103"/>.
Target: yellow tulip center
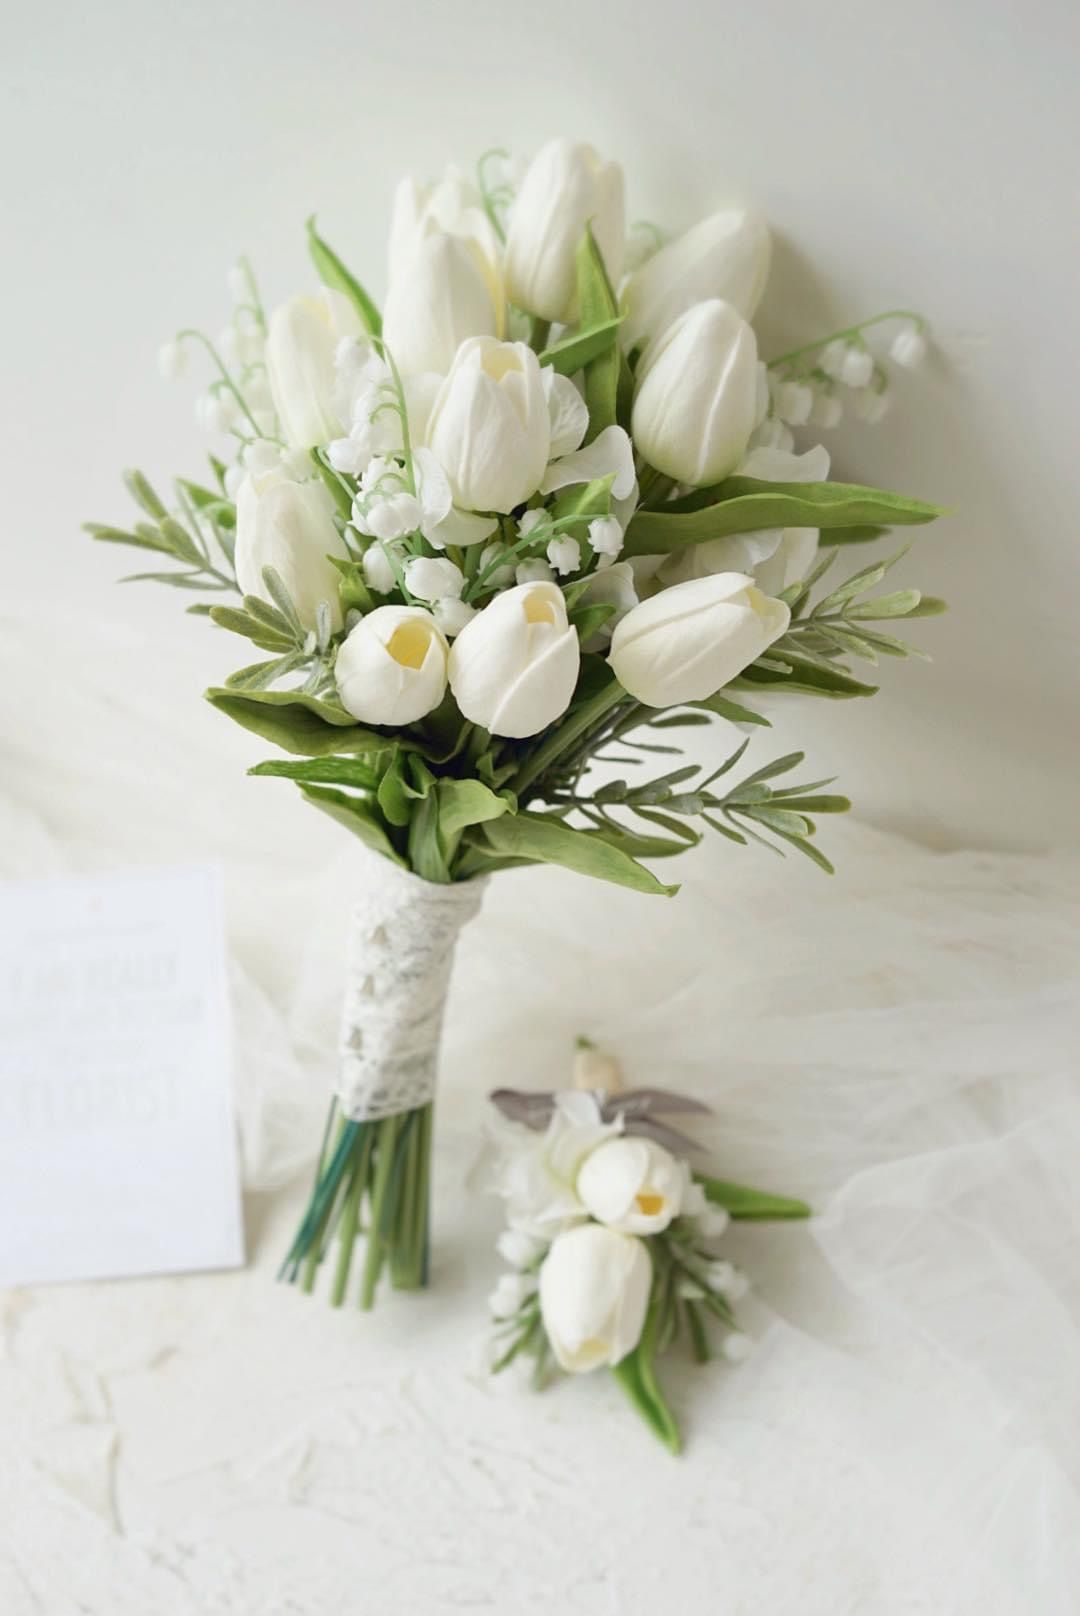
<point x="539" y="610"/>
<point x="649" y="1204"/>
<point x="409" y="643"/>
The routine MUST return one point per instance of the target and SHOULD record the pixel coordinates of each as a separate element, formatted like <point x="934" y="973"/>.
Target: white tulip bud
<point x="696" y="400"/>
<point x="451" y="206"/>
<point x="726" y="256"/>
<point x="489" y="427"/>
<point x="289" y="526"/>
<point x="689" y="641"/>
<point x="429" y="579"/>
<point x="514" y="667"/>
<point x="303" y="336"/>
<point x="909" y="347"/>
<point x="391" y="669"/>
<point x="632" y="1185"/>
<point x="437" y="299"/>
<point x="594" y="1294"/>
<point x="566" y="187"/>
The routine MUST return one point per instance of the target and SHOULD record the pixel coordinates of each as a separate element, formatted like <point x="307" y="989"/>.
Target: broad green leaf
<point x="580" y="505"/>
<point x="636" y="1373"/>
<point x="297" y="723"/>
<point x="356" y="815"/>
<point x="393" y="798"/>
<point x="588" y="343"/>
<point x="468" y="802"/>
<point x="607" y="377"/>
<point x="751" y="1205"/>
<point x="547" y="841"/>
<point x="353" y="592"/>
<point x="332" y="272"/>
<point x="745" y="504"/>
<point x="331" y="771"/>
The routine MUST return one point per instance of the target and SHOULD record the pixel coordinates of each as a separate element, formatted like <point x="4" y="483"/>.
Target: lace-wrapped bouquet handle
<point x="516" y="523"/>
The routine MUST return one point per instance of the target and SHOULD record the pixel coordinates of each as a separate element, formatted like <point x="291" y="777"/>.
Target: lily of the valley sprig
<point x="614" y="1236"/>
<point x="542" y="509"/>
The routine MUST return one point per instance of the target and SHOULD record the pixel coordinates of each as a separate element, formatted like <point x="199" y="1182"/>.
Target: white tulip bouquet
<point x="544" y="505"/>
<point x="612" y="1236"/>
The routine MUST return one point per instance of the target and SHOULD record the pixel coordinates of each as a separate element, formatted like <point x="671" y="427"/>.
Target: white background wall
<point x="923" y="154"/>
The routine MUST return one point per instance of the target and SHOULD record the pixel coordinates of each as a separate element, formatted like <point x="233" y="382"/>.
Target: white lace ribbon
<point x="400" y="952"/>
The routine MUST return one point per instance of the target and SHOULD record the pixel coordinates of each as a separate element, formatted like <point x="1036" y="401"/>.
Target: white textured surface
<point x="398" y="960"/>
<point x="898" y="1044"/>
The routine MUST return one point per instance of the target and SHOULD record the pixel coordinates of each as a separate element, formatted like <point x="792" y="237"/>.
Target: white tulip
<point x="566" y="187"/>
<point x="391" y="669"/>
<point x="490" y="429"/>
<point x="301" y="343"/>
<point x="454" y="207"/>
<point x="514" y="667"/>
<point x="726" y="255"/>
<point x="632" y="1185"/>
<point x="594" y="1294"/>
<point x="687" y="642"/>
<point x="289" y="526"/>
<point x="437" y="299"/>
<point x="697" y="394"/>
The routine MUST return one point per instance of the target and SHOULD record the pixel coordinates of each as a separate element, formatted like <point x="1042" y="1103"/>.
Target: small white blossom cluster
<point x="807" y="387"/>
<point x="601" y="1222"/>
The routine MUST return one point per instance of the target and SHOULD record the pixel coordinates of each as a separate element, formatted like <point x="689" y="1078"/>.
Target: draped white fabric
<point x="899" y="1045"/>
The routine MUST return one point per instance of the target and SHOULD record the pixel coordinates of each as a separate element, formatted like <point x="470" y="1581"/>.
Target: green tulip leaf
<point x="543" y="839"/>
<point x="332" y="272"/>
<point x="746" y="504"/>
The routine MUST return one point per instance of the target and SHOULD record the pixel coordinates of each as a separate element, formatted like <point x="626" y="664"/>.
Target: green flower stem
<point x="848" y="334"/>
<point x="350" y="1220"/>
<point x="389" y="1129"/>
<point x="539" y="332"/>
<point x="567" y="733"/>
<point x="190" y="334"/>
<point x="315" y="1250"/>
